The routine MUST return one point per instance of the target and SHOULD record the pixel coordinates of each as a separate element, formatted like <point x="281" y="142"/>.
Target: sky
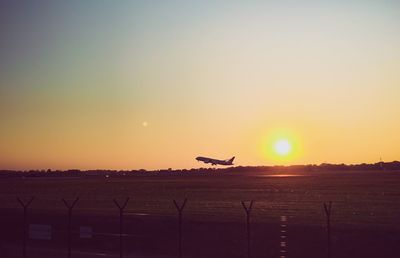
<point x="153" y="84"/>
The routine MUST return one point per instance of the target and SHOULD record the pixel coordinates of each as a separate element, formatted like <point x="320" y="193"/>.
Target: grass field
<point x="358" y="197"/>
<point x="363" y="202"/>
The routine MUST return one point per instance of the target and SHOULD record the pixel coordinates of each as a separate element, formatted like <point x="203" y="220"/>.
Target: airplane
<point x="215" y="162"/>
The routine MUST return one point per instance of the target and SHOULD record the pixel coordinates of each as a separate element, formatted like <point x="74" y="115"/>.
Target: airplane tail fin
<point x="231" y="160"/>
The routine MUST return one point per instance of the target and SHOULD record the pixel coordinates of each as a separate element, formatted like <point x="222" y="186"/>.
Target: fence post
<point x="121" y="209"/>
<point x="180" y="208"/>
<point x="25" y="206"/>
<point x="69" y="207"/>
<point x="248" y="209"/>
<point x="328" y="210"/>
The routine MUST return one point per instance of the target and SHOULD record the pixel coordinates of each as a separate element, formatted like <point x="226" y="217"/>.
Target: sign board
<point x="40" y="232"/>
<point x="85" y="232"/>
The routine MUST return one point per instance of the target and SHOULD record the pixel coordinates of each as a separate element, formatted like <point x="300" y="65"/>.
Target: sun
<point x="282" y="147"/>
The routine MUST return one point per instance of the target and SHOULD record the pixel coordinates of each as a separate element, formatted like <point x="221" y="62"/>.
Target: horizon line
<point x="199" y="168"/>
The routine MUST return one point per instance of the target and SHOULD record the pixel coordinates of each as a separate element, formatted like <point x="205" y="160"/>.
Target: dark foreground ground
<point x="287" y="220"/>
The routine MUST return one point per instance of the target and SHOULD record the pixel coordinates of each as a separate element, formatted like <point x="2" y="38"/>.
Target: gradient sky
<point x="153" y="84"/>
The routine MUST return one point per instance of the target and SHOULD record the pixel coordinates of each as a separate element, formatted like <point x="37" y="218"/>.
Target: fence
<point x="44" y="232"/>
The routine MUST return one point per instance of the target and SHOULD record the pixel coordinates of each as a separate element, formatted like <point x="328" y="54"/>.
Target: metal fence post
<point x="180" y="208"/>
<point x="248" y="209"/>
<point x="328" y="210"/>
<point x="121" y="211"/>
<point x="25" y="206"/>
<point x="69" y="230"/>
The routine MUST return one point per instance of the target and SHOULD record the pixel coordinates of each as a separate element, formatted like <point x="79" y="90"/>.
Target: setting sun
<point x="282" y="147"/>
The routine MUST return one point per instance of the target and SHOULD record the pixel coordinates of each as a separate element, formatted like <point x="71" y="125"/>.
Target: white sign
<point x="42" y="232"/>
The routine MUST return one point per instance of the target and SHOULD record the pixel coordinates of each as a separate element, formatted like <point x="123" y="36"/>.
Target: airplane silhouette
<point x="215" y="162"/>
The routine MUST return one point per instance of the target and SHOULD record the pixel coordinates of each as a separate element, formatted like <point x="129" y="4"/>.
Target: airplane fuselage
<point x="214" y="162"/>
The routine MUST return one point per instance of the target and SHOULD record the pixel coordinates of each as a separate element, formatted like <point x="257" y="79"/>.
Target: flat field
<point x="365" y="212"/>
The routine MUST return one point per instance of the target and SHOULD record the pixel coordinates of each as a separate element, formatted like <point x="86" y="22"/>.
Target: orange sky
<point x="139" y="85"/>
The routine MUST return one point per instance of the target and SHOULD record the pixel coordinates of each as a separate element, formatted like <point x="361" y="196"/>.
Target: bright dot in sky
<point x="145" y="124"/>
<point x="282" y="147"/>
